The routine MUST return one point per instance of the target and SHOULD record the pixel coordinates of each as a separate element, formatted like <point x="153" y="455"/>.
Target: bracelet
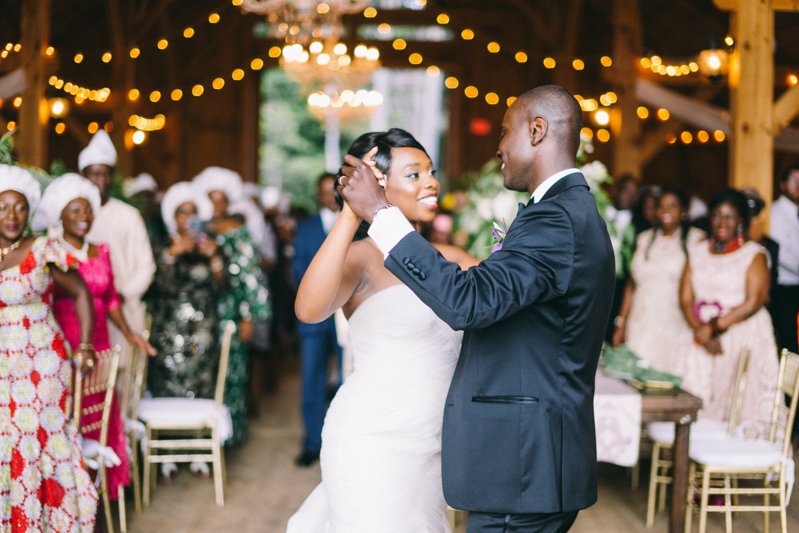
<point x="85" y="347"/>
<point x="380" y="209"/>
<point x="619" y="321"/>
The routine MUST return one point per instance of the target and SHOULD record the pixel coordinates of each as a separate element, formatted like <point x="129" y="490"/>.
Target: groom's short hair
<point x="562" y="111"/>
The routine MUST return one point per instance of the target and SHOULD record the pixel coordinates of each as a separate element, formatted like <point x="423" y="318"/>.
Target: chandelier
<point x="300" y="20"/>
<point x="348" y="104"/>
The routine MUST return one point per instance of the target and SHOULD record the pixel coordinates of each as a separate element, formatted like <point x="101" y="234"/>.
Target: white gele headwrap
<point x="142" y="182"/>
<point x="179" y="194"/>
<point x="220" y="179"/>
<point x="14" y="178"/>
<point x="270" y="197"/>
<point x="58" y="194"/>
<point x="100" y="151"/>
<point x="253" y="218"/>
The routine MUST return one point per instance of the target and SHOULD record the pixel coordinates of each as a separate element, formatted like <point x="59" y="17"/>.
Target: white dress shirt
<point x="785" y="230"/>
<point x="328" y="218"/>
<point x="390" y="226"/>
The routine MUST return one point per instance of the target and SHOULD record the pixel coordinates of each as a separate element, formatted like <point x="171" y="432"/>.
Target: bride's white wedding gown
<point x="381" y="442"/>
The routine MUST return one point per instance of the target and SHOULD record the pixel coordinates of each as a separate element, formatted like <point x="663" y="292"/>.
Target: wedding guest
<point x="121" y="227"/>
<point x="619" y="218"/>
<point x="188" y="282"/>
<point x="723" y="289"/>
<point x="42" y="474"/>
<point x="67" y="209"/>
<point x="143" y="190"/>
<point x="245" y="299"/>
<point x="650" y="320"/>
<point x="645" y="215"/>
<point x="785" y="230"/>
<point x="317" y="341"/>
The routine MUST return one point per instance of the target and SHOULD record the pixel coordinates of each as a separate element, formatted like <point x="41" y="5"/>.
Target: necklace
<point x="81" y="254"/>
<point x="5" y="251"/>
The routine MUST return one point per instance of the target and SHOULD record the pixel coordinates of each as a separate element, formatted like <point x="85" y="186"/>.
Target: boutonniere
<point x="498" y="236"/>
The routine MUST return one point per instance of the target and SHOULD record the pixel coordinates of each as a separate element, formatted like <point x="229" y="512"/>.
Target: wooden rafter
<point x="786" y="108"/>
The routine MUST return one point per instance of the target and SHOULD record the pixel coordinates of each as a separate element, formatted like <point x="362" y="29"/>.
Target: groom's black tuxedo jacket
<point x="518" y="432"/>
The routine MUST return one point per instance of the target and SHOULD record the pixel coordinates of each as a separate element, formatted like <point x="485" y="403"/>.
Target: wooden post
<point x="625" y="123"/>
<point x="751" y="82"/>
<point x="34" y="113"/>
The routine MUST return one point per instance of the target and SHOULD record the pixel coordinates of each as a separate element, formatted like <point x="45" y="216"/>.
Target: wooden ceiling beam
<point x="776" y="5"/>
<point x="786" y="108"/>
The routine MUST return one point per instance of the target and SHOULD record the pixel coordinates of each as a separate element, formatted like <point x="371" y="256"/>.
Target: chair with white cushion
<point x="200" y="425"/>
<point x="662" y="435"/>
<point x="726" y="461"/>
<point x="96" y="454"/>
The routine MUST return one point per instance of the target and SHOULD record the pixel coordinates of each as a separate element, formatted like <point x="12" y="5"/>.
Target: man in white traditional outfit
<point x="121" y="227"/>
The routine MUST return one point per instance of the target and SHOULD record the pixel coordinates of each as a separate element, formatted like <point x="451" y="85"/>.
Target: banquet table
<point x="618" y="430"/>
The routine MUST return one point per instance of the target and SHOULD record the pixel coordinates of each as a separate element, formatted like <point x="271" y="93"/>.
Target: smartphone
<point x="196" y="226"/>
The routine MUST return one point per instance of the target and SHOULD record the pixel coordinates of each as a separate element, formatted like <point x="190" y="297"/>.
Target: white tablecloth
<point x="617" y="411"/>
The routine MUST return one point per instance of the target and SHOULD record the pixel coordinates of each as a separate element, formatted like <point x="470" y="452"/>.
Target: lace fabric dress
<point x="244" y="299"/>
<point x="381" y="442"/>
<point x="99" y="278"/>
<point x="719" y="284"/>
<point x="656" y="328"/>
<point x="183" y="304"/>
<point x="44" y="485"/>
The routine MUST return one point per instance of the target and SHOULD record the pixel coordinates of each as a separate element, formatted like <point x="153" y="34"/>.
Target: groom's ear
<point x="538" y="129"/>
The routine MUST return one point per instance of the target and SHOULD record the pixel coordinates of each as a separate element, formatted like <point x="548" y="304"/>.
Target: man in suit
<point x="317" y="341"/>
<point x="519" y="445"/>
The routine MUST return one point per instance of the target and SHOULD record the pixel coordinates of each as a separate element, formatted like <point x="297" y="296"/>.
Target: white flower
<point x="31" y="478"/>
<point x="21" y="364"/>
<point x="5" y="393"/>
<point x="17" y="493"/>
<point x="33" y="509"/>
<point x="52" y="419"/>
<point x="5" y="477"/>
<point x="14" y="337"/>
<point x="58" y="446"/>
<point x="484" y="208"/>
<point x="46" y="362"/>
<point x="41" y="336"/>
<point x="29" y="448"/>
<point x="5" y="449"/>
<point x="11" y="292"/>
<point x="50" y="390"/>
<point x="65" y="474"/>
<point x="5" y="367"/>
<point x="59" y="520"/>
<point x="23" y="391"/>
<point x="595" y="173"/>
<point x="26" y="419"/>
<point x="504" y="206"/>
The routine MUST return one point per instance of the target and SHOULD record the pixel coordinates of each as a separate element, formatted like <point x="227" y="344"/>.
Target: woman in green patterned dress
<point x="246" y="299"/>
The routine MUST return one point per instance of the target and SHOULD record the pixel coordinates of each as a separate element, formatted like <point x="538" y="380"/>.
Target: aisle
<point x="265" y="488"/>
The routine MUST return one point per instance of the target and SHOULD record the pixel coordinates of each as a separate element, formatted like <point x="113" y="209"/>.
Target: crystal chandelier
<point x="300" y="20"/>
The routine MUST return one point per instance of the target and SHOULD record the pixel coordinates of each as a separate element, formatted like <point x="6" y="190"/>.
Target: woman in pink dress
<point x="44" y="485"/>
<point x="67" y="208"/>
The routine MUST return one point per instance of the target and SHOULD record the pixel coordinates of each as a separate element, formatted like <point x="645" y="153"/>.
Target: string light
<point x="433" y="71"/>
<point x="510" y="100"/>
<point x="370" y="12"/>
<point x="107" y="57"/>
<point x="642" y="112"/>
<point x="218" y="83"/>
<point x="471" y="91"/>
<point x="686" y="137"/>
<point x="578" y="64"/>
<point x="467" y="35"/>
<point x="11" y="125"/>
<point x="792" y="79"/>
<point x="415" y="58"/>
<point x="729" y="40"/>
<point x="549" y="62"/>
<point x="93" y="127"/>
<point x="493" y="47"/>
<point x="133" y="95"/>
<point x="78" y="58"/>
<point x="80" y="93"/>
<point x="663" y="114"/>
<point x="237" y="74"/>
<point x="451" y="83"/>
<point x="587" y="133"/>
<point x="147" y="124"/>
<point x="603" y="135"/>
<point x="60" y="128"/>
<point x="188" y="33"/>
<point x="108" y="127"/>
<point x="399" y="44"/>
<point x="155" y="96"/>
<point x="274" y="51"/>
<point x="718" y="135"/>
<point x="213" y="18"/>
<point x="177" y="94"/>
<point x="50" y="51"/>
<point x="17" y="101"/>
<point x="492" y="98"/>
<point x="702" y="136"/>
<point x="162" y="44"/>
<point x="197" y="90"/>
<point x="521" y="57"/>
<point x="134" y="53"/>
<point x="257" y="64"/>
<point x="442" y="19"/>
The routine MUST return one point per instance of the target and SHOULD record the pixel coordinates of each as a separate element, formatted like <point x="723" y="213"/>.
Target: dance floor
<point x="265" y="488"/>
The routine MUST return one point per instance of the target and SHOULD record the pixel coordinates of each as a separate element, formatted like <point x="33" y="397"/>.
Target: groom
<point x="519" y="446"/>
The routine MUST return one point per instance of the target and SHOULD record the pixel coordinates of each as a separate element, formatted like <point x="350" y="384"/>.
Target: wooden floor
<point x="265" y="488"/>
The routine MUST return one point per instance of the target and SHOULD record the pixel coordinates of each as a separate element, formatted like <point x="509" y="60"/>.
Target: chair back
<point x="224" y="357"/>
<point x="135" y="380"/>
<point x="782" y="416"/>
<point x="739" y="390"/>
<point x="101" y="379"/>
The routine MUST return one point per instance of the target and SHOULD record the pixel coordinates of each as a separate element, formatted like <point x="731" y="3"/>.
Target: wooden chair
<point x="101" y="379"/>
<point x="727" y="461"/>
<point x="662" y="435"/>
<point x="206" y="421"/>
<point x="132" y="381"/>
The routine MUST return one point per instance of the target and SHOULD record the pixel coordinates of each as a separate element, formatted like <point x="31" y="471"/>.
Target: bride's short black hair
<point x="385" y="141"/>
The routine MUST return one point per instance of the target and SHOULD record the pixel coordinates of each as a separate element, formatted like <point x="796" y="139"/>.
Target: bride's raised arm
<point x="333" y="275"/>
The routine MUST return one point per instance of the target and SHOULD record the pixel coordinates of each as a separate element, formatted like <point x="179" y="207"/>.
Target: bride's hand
<point x="368" y="159"/>
<point x="347" y="211"/>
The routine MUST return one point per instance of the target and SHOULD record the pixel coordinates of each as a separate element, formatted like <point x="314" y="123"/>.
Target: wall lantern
<point x="713" y="63"/>
<point x="59" y="107"/>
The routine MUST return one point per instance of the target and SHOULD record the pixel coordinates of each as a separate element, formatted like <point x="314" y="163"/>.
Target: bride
<point x="381" y="442"/>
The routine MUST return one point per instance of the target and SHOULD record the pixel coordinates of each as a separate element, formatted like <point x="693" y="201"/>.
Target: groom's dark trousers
<point x="520" y="523"/>
<point x="518" y="435"/>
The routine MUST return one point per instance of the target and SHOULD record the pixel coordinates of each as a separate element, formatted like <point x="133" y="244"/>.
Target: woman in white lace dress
<point x="381" y="442"/>
<point x="650" y="320"/>
<point x="724" y="287"/>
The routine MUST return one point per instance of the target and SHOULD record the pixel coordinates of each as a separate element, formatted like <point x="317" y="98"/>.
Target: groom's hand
<point x="360" y="189"/>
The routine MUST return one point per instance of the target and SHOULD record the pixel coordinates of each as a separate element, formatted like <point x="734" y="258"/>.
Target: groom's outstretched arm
<point x="535" y="264"/>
